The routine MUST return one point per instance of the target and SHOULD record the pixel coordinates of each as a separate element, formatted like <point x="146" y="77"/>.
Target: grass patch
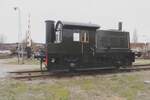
<point x="126" y="86"/>
<point x="16" y="90"/>
<point x="87" y="85"/>
<point x="59" y="92"/>
<point x="51" y="92"/>
<point x="123" y="86"/>
<point x="10" y="90"/>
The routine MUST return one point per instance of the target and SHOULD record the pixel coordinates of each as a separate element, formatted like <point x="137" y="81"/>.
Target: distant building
<point x="12" y="47"/>
<point x="138" y="47"/>
<point x="7" y="46"/>
<point x="143" y="48"/>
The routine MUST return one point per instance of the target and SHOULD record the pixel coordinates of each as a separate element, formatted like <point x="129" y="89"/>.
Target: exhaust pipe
<point x="50" y="31"/>
<point x="120" y="26"/>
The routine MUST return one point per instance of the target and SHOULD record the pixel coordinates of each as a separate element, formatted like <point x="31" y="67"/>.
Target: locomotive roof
<point x="78" y="25"/>
<point x="111" y="30"/>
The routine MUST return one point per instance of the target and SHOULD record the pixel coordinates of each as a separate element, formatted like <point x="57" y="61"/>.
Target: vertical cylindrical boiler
<point x="120" y="26"/>
<point x="50" y="31"/>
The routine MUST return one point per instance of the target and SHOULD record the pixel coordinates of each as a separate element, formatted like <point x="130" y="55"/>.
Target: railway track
<point x="37" y="74"/>
<point x="141" y="65"/>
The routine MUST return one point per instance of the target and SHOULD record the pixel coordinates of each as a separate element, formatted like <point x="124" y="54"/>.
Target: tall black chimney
<point x="50" y="31"/>
<point x="120" y="26"/>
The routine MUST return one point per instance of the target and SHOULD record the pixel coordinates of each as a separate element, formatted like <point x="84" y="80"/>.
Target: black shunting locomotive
<point x="72" y="45"/>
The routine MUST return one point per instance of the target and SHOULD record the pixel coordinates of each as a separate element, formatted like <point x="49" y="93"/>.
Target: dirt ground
<point x="120" y="86"/>
<point x="6" y="66"/>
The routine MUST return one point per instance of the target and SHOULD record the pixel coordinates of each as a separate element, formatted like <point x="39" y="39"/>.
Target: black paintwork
<point x="50" y="31"/>
<point x="103" y="47"/>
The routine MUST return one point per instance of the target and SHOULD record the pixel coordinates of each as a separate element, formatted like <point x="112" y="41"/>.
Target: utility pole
<point x="20" y="45"/>
<point x="28" y="39"/>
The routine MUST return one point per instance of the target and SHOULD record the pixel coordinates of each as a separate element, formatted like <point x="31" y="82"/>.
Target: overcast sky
<point x="135" y="14"/>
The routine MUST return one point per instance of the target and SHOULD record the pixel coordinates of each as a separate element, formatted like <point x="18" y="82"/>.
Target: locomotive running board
<point x="86" y="69"/>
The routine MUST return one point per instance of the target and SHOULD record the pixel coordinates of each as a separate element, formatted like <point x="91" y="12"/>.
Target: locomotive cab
<point x="70" y="43"/>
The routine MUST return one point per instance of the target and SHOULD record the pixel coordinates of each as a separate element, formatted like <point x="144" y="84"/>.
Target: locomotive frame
<point x="83" y="46"/>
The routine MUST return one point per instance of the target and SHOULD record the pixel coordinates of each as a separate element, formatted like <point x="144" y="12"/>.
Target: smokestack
<point x="50" y="31"/>
<point x="120" y="26"/>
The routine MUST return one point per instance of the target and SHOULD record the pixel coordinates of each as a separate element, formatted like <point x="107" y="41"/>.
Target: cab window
<point x="58" y="34"/>
<point x="84" y="37"/>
